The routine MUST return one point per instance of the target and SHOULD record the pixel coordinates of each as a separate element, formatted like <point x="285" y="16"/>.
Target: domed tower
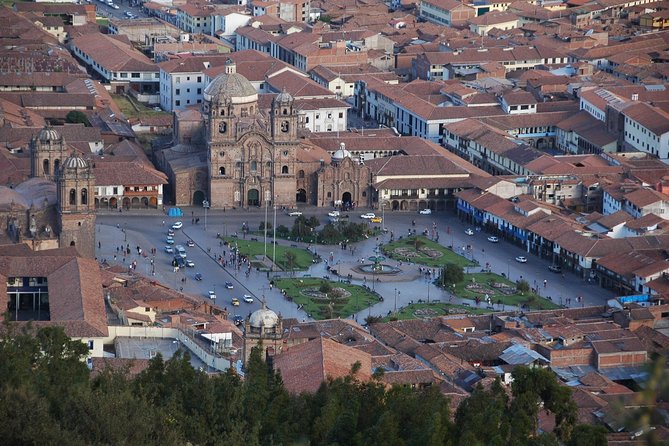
<point x="75" y="185"/>
<point x="340" y="154"/>
<point x="263" y="326"/>
<point x="284" y="118"/>
<point x="47" y="151"/>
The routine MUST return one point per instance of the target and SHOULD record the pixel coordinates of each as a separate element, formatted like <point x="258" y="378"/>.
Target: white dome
<point x="264" y="318"/>
<point x="75" y="162"/>
<point x="230" y="86"/>
<point x="48" y="134"/>
<point x="341" y="153"/>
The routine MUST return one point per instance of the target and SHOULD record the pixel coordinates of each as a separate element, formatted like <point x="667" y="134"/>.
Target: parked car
<point x="469" y="231"/>
<point x="177" y="225"/>
<point x="198" y="277"/>
<point x="170" y="232"/>
<point x="295" y="213"/>
<point x="555" y="269"/>
<point x="237" y="319"/>
<point x="235" y="302"/>
<point x="521" y="259"/>
<point x="178" y="261"/>
<point x="190" y="263"/>
<point x="229" y="285"/>
<point x="333" y="214"/>
<point x="376" y="220"/>
<point x="211" y="295"/>
<point x="115" y="6"/>
<point x="425" y="211"/>
<point x="190" y="243"/>
<point x="368" y="215"/>
<point x="169" y="240"/>
<point x="169" y="249"/>
<point x="493" y="239"/>
<point x="248" y="299"/>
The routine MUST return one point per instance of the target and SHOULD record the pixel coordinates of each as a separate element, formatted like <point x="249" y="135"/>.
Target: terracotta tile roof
<point x="629" y="264"/>
<point x="417" y="165"/>
<point x="644" y="197"/>
<point x="654" y="119"/>
<point x="612" y="220"/>
<point x="118" y="55"/>
<point x="645" y="221"/>
<point x="75" y="288"/>
<point x="126" y="173"/>
<point x="305" y="366"/>
<point x="298" y="86"/>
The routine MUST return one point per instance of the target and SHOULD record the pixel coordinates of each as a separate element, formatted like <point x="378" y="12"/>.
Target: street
<point x="146" y="230"/>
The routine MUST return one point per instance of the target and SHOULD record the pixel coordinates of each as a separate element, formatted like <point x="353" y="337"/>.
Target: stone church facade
<point x="251" y="154"/>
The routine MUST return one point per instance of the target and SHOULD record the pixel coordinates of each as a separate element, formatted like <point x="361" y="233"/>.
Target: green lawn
<point x="138" y="110"/>
<point x="535" y="302"/>
<point x="425" y="310"/>
<point x="359" y="298"/>
<point x="251" y="249"/>
<point x="405" y="250"/>
<point x="102" y="21"/>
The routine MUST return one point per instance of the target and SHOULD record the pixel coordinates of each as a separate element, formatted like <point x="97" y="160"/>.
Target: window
<point x="115" y="190"/>
<point x="124" y="75"/>
<point x="254" y="166"/>
<point x="178" y="91"/>
<point x="341" y="114"/>
<point x="199" y="91"/>
<point x="285" y="153"/>
<point x="329" y="194"/>
<point x="45" y="167"/>
<point x="91" y="345"/>
<point x="73" y="197"/>
<point x="221" y="170"/>
<point x="177" y="102"/>
<point x="300" y="174"/>
<point x="84" y="196"/>
<point x="199" y="78"/>
<point x="284" y="169"/>
<point x="187" y="90"/>
<point x="135" y="75"/>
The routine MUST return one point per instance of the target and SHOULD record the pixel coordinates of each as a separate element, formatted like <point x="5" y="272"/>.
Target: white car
<point x="425" y="211"/>
<point x="334" y="214"/>
<point x="521" y="259"/>
<point x="248" y="299"/>
<point x="177" y="225"/>
<point x="493" y="239"/>
<point x="169" y="240"/>
<point x="169" y="249"/>
<point x="115" y="6"/>
<point x="211" y="295"/>
<point x="469" y="231"/>
<point x="368" y="215"/>
<point x="190" y="263"/>
<point x="295" y="214"/>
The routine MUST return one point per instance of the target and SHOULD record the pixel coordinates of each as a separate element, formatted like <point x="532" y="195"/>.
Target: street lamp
<point x="205" y="205"/>
<point x="428" y="291"/>
<point x="383" y="216"/>
<point x="396" y="294"/>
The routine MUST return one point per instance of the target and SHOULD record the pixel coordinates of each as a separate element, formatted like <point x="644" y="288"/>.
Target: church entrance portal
<point x="301" y="196"/>
<point x="198" y="198"/>
<point x="346" y="200"/>
<point x="253" y="197"/>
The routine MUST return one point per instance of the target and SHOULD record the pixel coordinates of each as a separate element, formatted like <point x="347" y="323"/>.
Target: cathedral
<point x="256" y="154"/>
<point x="251" y="154"/>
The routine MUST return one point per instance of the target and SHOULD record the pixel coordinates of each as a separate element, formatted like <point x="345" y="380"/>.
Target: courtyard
<point x="423" y="251"/>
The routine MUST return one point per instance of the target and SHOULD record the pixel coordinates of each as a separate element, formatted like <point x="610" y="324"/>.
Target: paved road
<point x="107" y="11"/>
<point x="145" y="229"/>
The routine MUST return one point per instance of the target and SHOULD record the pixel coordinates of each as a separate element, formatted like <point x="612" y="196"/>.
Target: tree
<point x="263" y="225"/>
<point x="418" y="243"/>
<point x="313" y="222"/>
<point x="588" y="435"/>
<point x="77" y="117"/>
<point x="452" y="273"/>
<point x="325" y="287"/>
<point x="291" y="260"/>
<point x="523" y="286"/>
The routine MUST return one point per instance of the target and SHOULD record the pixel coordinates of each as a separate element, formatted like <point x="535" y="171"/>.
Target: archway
<point x="126" y="203"/>
<point x="301" y="196"/>
<point x="72" y="243"/>
<point x="395" y="205"/>
<point x="113" y="202"/>
<point x="153" y="201"/>
<point x="346" y="198"/>
<point x="97" y="203"/>
<point x="45" y="167"/>
<point x="198" y="198"/>
<point x="135" y="202"/>
<point x="253" y="197"/>
<point x="403" y="205"/>
<point x="145" y="202"/>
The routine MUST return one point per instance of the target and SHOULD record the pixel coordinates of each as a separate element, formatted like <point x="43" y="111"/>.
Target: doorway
<point x="301" y="196"/>
<point x="198" y="198"/>
<point x="253" y="197"/>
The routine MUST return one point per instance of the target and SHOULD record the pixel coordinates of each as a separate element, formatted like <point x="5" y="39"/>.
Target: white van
<point x="181" y="251"/>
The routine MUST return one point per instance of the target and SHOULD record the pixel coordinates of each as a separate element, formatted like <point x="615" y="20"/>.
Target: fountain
<point x="377" y="267"/>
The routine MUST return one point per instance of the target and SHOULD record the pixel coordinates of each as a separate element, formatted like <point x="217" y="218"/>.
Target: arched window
<point x="73" y="197"/>
<point x="222" y="112"/>
<point x="300" y="174"/>
<point x="254" y="166"/>
<point x="284" y="169"/>
<point x="221" y="170"/>
<point x="285" y="111"/>
<point x="56" y="166"/>
<point x="45" y="167"/>
<point x="268" y="164"/>
<point x="84" y="196"/>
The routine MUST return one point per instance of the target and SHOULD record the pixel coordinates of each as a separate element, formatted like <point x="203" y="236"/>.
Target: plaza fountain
<point x="377" y="266"/>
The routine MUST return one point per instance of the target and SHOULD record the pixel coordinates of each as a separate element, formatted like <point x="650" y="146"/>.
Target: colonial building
<point x="251" y="153"/>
